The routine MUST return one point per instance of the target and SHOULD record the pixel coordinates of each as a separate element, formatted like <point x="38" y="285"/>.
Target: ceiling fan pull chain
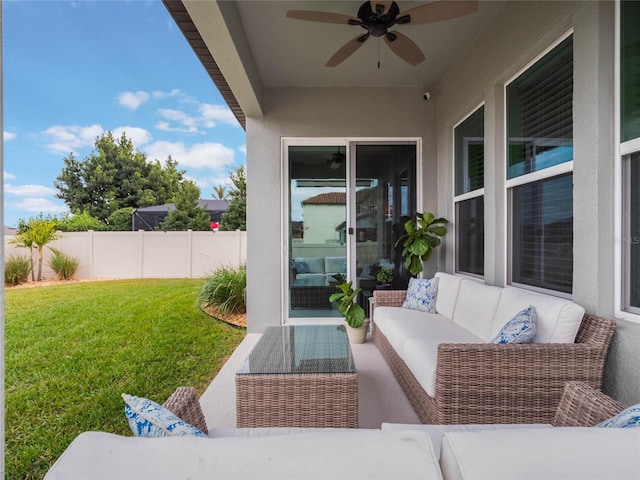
<point x="378" y="53"/>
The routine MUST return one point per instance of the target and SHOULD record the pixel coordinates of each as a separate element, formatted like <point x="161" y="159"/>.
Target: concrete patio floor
<point x="380" y="398"/>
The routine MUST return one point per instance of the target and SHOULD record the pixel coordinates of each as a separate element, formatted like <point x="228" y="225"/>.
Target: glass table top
<point x="300" y="349"/>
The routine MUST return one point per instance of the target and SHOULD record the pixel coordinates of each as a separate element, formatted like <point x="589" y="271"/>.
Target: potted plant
<point x="384" y="276"/>
<point x="354" y="316"/>
<point x="420" y="238"/>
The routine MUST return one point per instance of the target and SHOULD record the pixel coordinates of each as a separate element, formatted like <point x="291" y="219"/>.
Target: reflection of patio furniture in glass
<point x="310" y="294"/>
<point x="299" y="376"/>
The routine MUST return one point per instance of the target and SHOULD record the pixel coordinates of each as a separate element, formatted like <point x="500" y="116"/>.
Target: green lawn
<point x="73" y="349"/>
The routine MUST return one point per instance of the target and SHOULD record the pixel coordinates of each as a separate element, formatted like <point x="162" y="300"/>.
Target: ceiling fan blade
<point x="404" y="47"/>
<point x="385" y="4"/>
<point x="439" y="11"/>
<point x="325" y="17"/>
<point x="347" y="50"/>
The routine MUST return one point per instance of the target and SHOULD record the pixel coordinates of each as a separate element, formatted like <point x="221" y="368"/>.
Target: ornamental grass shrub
<point x="63" y="265"/>
<point x="226" y="290"/>
<point x="16" y="270"/>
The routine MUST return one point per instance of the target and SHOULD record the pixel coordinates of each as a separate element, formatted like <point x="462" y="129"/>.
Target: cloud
<point x="132" y="100"/>
<point x="139" y="136"/>
<point x="8" y="176"/>
<point x="8" y="136"/>
<point x="37" y="205"/>
<point x="29" y="190"/>
<point x="188" y="124"/>
<point x="172" y="93"/>
<point x="243" y="149"/>
<point x="69" y="138"/>
<point x="213" y="156"/>
<point x="214" y="114"/>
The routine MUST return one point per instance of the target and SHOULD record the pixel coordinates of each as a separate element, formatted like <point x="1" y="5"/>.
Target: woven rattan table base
<point x="297" y="400"/>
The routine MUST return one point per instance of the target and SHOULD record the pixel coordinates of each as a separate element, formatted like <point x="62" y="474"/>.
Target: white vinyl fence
<point x="145" y="254"/>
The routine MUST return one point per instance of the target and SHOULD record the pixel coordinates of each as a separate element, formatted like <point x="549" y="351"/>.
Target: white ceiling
<point x="291" y="52"/>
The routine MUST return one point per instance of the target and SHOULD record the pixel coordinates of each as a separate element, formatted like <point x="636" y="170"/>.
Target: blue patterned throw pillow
<point x="421" y="295"/>
<point x="520" y="329"/>
<point x="628" y="418"/>
<point x="300" y="266"/>
<point x="148" y="419"/>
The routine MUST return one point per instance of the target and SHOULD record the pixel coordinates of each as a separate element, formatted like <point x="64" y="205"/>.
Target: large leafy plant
<point x="345" y="297"/>
<point x="421" y="236"/>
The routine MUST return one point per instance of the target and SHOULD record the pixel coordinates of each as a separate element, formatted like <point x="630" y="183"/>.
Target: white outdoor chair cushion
<point x="476" y="308"/>
<point x="557" y="319"/>
<point x="363" y="454"/>
<point x="447" y="293"/>
<point x="398" y="324"/>
<point x="549" y="453"/>
<point x="437" y="431"/>
<point x="421" y="356"/>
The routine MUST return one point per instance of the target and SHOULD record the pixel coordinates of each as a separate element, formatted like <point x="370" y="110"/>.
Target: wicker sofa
<point x="395" y="451"/>
<point x="475" y="382"/>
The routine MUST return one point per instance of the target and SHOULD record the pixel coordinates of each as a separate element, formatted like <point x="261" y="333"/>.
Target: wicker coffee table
<point x="299" y="376"/>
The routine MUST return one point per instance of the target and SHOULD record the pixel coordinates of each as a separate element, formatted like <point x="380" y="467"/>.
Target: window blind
<point x="540" y="116"/>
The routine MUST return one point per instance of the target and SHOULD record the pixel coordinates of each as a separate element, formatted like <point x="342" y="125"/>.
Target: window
<point x="629" y="148"/>
<point x="469" y="190"/>
<point x="539" y="171"/>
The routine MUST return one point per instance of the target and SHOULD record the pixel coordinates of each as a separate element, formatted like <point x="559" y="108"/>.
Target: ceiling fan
<point x="377" y="17"/>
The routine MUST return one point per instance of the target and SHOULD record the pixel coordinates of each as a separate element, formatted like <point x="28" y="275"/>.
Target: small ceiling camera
<point x="426" y="96"/>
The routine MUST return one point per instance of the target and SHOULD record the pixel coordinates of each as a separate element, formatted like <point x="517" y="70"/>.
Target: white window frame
<point x="511" y="183"/>
<point x="479" y="192"/>
<point x="621" y="176"/>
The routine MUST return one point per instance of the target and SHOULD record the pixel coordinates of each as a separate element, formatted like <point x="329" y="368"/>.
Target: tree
<point x="187" y="214"/>
<point x="79" y="222"/>
<point x="37" y="232"/>
<point x="220" y="192"/>
<point x="120" y="220"/>
<point x="115" y="176"/>
<point x="235" y="217"/>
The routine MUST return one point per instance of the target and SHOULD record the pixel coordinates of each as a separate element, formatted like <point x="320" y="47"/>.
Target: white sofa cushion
<point x="557" y="319"/>
<point x="476" y="308"/>
<point x="369" y="454"/>
<point x="421" y="355"/>
<point x="447" y="293"/>
<point x="549" y="453"/>
<point x="399" y="324"/>
<point x="437" y="431"/>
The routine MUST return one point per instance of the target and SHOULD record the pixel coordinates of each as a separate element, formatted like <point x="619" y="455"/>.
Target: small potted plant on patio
<point x="420" y="238"/>
<point x="354" y="316"/>
<point x="384" y="276"/>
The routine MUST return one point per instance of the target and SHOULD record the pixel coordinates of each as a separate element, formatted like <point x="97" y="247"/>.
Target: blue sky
<point x="75" y="70"/>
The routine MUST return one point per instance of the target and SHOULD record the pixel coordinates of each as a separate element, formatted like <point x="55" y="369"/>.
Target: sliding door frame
<point x="350" y="144"/>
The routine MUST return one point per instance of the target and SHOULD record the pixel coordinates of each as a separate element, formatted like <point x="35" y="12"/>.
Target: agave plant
<point x="421" y="236"/>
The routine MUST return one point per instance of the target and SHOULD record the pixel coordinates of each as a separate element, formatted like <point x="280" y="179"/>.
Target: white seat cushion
<point x="476" y="308"/>
<point x="366" y="454"/>
<point x="421" y="355"/>
<point x="437" y="431"/>
<point x="447" y="293"/>
<point x="549" y="453"/>
<point x="557" y="319"/>
<point x="399" y="324"/>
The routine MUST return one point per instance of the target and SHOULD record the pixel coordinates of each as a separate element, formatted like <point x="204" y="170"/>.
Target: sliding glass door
<point x="347" y="204"/>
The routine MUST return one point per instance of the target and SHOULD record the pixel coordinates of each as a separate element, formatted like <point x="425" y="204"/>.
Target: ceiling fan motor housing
<point x="377" y="23"/>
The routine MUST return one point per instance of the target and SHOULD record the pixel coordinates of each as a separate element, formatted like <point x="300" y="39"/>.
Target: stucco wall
<point x="316" y="112"/>
<point x="520" y="32"/>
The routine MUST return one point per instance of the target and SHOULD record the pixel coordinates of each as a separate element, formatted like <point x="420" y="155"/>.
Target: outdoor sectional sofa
<point x="556" y="451"/>
<point x="452" y="375"/>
